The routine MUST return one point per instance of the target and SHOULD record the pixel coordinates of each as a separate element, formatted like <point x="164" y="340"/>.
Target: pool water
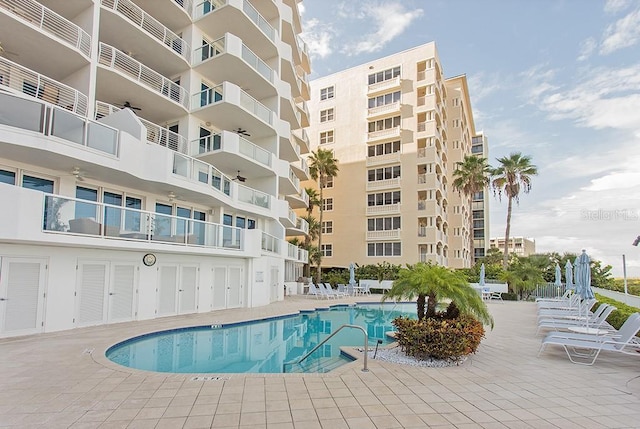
<point x="262" y="346"/>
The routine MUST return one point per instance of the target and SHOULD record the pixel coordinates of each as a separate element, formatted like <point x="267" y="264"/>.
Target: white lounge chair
<point x="327" y="293"/>
<point x="564" y="297"/>
<point x="584" y="349"/>
<point x="598" y="320"/>
<point x="582" y="310"/>
<point x="330" y="290"/>
<point x="572" y="301"/>
<point x="313" y="290"/>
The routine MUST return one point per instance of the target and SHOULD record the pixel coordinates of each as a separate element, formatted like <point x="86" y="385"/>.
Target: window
<point x="383" y="100"/>
<point x="327" y="250"/>
<point x="328" y="182"/>
<point x="37" y="183"/>
<point x="326" y="93"/>
<point x="383" y="173"/>
<point x="384" y="124"/>
<point x="456" y="123"/>
<point x="326" y="137"/>
<point x="476" y="149"/>
<point x="327" y="204"/>
<point x="384" y="148"/>
<point x="383" y="198"/>
<point x="326" y="115"/>
<point x="384" y="75"/>
<point x="384" y="249"/>
<point x="478" y="195"/>
<point x="478" y="214"/>
<point x="383" y="223"/>
<point x="456" y="102"/>
<point x="8" y="177"/>
<point x="327" y="227"/>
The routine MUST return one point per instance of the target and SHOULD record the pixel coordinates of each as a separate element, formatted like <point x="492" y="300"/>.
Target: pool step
<point x="319" y="365"/>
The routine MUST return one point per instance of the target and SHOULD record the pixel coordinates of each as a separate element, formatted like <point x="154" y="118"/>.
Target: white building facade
<point x="150" y="158"/>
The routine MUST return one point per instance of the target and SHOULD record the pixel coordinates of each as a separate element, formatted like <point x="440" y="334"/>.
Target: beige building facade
<point x="520" y="246"/>
<point x="397" y="127"/>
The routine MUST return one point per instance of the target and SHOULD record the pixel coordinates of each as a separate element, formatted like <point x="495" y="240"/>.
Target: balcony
<point x="385" y="85"/>
<point x="174" y="14"/>
<point x="229" y="107"/>
<point x="270" y="243"/>
<point x="306" y="59"/>
<point x="72" y="216"/>
<point x="217" y="17"/>
<point x="253" y="197"/>
<point x="383" y="184"/>
<point x="144" y="35"/>
<point x="231" y="152"/>
<point x="301" y="168"/>
<point x="429" y="181"/>
<point x="432" y="207"/>
<point x="36" y="32"/>
<point x="155" y="133"/>
<point x="200" y="172"/>
<point x="122" y="78"/>
<point x="298" y="201"/>
<point x="383" y="209"/>
<point x="22" y="80"/>
<point x="297" y="254"/>
<point x="383" y="134"/>
<point x="430" y="234"/>
<point x="36" y="116"/>
<point x="229" y="59"/>
<point x="387" y="158"/>
<point x="380" y="111"/>
<point x="302" y="138"/>
<point x="391" y="234"/>
<point x="303" y="112"/>
<point x="288" y="184"/>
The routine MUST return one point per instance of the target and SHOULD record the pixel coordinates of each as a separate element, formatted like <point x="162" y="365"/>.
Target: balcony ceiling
<point x="168" y="12"/>
<point x="122" y="34"/>
<point x="37" y="51"/>
<point x="230" y="163"/>
<point x="67" y="8"/>
<point x="228" y="116"/>
<point x="114" y="88"/>
<point x="230" y="68"/>
<point x="295" y="201"/>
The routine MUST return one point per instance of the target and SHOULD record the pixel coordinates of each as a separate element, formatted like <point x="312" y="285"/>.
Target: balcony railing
<point x="382" y="134"/>
<point x="385" y="84"/>
<point x="270" y="243"/>
<point x="383" y="159"/>
<point x="35" y="115"/>
<point x="254" y="197"/>
<point x="387" y="108"/>
<point x="218" y="47"/>
<point x="292" y="217"/>
<point x="214" y="143"/>
<point x="294" y="179"/>
<point x="383" y="209"/>
<point x="155" y="133"/>
<point x="80" y="217"/>
<point x="203" y="8"/>
<point x="383" y="184"/>
<point x="121" y="62"/>
<point x="149" y="25"/>
<point x="384" y="235"/>
<point x="198" y="171"/>
<point x="21" y="79"/>
<point x="50" y="22"/>
<point x="215" y="95"/>
<point x="302" y="225"/>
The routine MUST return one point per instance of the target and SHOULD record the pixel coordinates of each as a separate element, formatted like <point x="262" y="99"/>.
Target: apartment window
<point x="384" y="249"/>
<point x="476" y="150"/>
<point x="456" y="123"/>
<point x="478" y="214"/>
<point x="384" y="124"/>
<point x="327" y="227"/>
<point x="8" y="177"/>
<point x="37" y="183"/>
<point x="383" y="173"/>
<point x="383" y="198"/>
<point x="327" y="93"/>
<point x="383" y="100"/>
<point x="455" y="102"/>
<point x="326" y="250"/>
<point x="478" y="195"/>
<point x="383" y="223"/>
<point x="326" y="115"/>
<point x="327" y="204"/>
<point x="328" y="182"/>
<point x="478" y="223"/>
<point x="384" y="148"/>
<point x="326" y="137"/>
<point x="384" y="75"/>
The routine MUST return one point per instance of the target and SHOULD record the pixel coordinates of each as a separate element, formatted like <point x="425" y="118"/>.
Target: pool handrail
<point x="366" y="346"/>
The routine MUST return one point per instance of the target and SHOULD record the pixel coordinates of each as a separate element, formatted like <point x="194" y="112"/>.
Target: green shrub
<point x="439" y="338"/>
<point x="508" y="296"/>
<point x="618" y="316"/>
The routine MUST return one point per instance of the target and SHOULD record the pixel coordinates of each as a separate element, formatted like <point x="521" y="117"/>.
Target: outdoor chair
<point x="598" y="320"/>
<point x="342" y="289"/>
<point x="313" y="290"/>
<point x="572" y="301"/>
<point x="350" y="290"/>
<point x="333" y="291"/>
<point x="564" y="297"/>
<point x="327" y="291"/>
<point x="581" y="310"/>
<point x="584" y="349"/>
<point x="496" y="295"/>
<point x="366" y="289"/>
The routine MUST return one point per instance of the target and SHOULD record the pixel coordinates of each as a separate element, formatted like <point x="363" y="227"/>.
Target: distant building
<point x="480" y="204"/>
<point x="519" y="245"/>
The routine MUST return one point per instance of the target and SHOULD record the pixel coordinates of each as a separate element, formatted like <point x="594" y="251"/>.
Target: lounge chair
<point x="598" y="320"/>
<point x="572" y="301"/>
<point x="584" y="349"/>
<point x="324" y="292"/>
<point x="313" y="290"/>
<point x="331" y="291"/>
<point x="582" y="310"/>
<point x="496" y="295"/>
<point x="564" y="297"/>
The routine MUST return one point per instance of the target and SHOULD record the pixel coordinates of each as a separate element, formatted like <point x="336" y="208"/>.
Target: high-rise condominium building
<point x="480" y="203"/>
<point x="520" y="246"/>
<point x="397" y="127"/>
<point x="150" y="158"/>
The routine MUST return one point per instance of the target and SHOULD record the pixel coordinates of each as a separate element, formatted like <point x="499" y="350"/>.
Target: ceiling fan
<point x="240" y="178"/>
<point x="77" y="173"/>
<point x="242" y="132"/>
<point x="173" y="197"/>
<point x="127" y="105"/>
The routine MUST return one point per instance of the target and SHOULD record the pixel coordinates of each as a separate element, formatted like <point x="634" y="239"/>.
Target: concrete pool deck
<point x="63" y="380"/>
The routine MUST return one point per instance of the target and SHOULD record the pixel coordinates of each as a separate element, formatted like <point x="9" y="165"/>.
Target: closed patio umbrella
<point x="568" y="274"/>
<point x="558" y="281"/>
<point x="352" y="274"/>
<point x="481" y="282"/>
<point x="583" y="276"/>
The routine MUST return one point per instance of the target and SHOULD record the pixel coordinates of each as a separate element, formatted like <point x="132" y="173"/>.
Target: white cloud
<point x="587" y="47"/>
<point x="614" y="181"/>
<point x="389" y="19"/>
<point x="318" y="38"/>
<point x="623" y="33"/>
<point x="614" y="6"/>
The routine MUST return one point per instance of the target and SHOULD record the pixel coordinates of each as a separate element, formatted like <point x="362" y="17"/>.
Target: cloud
<point x="622" y="34"/>
<point x="587" y="47"/>
<point x="615" y="6"/>
<point x="615" y="180"/>
<point x="318" y="38"/>
<point x="389" y="19"/>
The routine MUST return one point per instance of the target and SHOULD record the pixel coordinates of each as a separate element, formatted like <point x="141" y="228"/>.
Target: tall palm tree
<point x="472" y="175"/>
<point x="314" y="199"/>
<point x="322" y="165"/>
<point x="512" y="176"/>
<point x="432" y="284"/>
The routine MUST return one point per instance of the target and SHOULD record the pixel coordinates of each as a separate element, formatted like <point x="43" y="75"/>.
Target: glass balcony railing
<point x="35" y="115"/>
<point x="216" y="94"/>
<point x="254" y="197"/>
<point x="80" y="217"/>
<point x="214" y="142"/>
<point x="198" y="171"/>
<point x="270" y="243"/>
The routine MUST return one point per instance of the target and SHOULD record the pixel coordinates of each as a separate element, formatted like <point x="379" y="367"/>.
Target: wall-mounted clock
<point x="149" y="259"/>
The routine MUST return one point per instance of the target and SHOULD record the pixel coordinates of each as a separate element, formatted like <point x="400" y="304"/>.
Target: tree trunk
<point x="505" y="257"/>
<point x="319" y="270"/>
<point x="421" y="303"/>
<point x="431" y="306"/>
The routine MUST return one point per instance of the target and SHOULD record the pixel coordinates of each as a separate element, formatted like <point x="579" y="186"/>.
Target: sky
<point x="558" y="80"/>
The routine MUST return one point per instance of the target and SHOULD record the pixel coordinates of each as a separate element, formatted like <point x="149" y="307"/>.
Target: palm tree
<point x="322" y="166"/>
<point x="471" y="176"/>
<point x="314" y="199"/>
<point x="434" y="283"/>
<point x="510" y="177"/>
<point x="314" y="230"/>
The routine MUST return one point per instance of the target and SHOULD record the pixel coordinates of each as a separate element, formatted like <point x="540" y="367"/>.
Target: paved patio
<point x="63" y="380"/>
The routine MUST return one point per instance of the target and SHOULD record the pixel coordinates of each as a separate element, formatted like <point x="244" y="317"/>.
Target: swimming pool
<point x="262" y="346"/>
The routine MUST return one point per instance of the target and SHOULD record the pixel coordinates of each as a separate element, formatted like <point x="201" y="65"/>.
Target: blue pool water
<point x="262" y="346"/>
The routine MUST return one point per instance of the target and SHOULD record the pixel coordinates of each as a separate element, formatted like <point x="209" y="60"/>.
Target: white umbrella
<point x="481" y="282"/>
<point x="352" y="274"/>
<point x="568" y="274"/>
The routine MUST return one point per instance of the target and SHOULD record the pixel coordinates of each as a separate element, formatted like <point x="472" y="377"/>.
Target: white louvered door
<point x="122" y="293"/>
<point x="22" y="285"/>
<point x="91" y="291"/>
<point x="187" y="293"/>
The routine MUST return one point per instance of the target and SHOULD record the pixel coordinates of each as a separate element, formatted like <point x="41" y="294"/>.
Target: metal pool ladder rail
<point x="366" y="345"/>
